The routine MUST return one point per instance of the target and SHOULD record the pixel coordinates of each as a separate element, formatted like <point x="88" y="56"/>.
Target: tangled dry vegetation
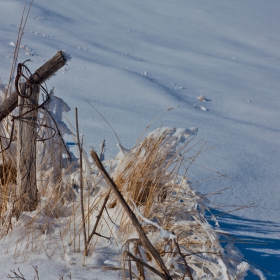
<point x="141" y="201"/>
<point x="78" y="210"/>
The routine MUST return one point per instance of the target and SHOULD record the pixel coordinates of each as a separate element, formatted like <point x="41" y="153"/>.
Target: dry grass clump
<point x="152" y="178"/>
<point x="77" y="209"/>
<point x="172" y="214"/>
<point x="144" y="174"/>
<point x="149" y="173"/>
<point x="8" y="176"/>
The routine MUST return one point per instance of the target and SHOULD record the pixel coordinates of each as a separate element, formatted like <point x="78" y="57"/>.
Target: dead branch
<point x="17" y="275"/>
<point x="81" y="183"/>
<point x="182" y="256"/>
<point x="146" y="265"/>
<point x="98" y="219"/>
<point x="144" y="239"/>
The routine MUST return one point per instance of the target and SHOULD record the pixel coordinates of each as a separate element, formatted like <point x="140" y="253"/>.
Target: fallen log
<point x="39" y="77"/>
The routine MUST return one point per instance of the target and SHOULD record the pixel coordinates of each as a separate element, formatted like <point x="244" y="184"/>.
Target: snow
<point x="163" y="233"/>
<point x="133" y="60"/>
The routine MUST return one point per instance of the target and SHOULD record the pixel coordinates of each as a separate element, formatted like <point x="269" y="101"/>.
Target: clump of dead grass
<point x="152" y="177"/>
<point x="149" y="173"/>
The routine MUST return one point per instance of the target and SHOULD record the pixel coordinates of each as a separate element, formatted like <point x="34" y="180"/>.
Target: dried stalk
<point x="163" y="276"/>
<point x="182" y="256"/>
<point x="81" y="183"/>
<point x="98" y="219"/>
<point x="144" y="239"/>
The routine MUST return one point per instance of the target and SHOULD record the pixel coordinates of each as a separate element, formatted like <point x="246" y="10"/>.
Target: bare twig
<point x="16" y="51"/>
<point x="182" y="256"/>
<point x="107" y="123"/>
<point x="37" y="272"/>
<point x="102" y="150"/>
<point x="81" y="183"/>
<point x="129" y="268"/>
<point x="17" y="275"/>
<point x="139" y="266"/>
<point x="146" y="265"/>
<point x="144" y="239"/>
<point x="98" y="219"/>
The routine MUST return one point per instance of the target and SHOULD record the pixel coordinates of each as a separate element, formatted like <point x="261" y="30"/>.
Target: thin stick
<point x="129" y="267"/>
<point x="183" y="257"/>
<point x="98" y="219"/>
<point x="146" y="265"/>
<point x="81" y="183"/>
<point x="139" y="266"/>
<point x="16" y="51"/>
<point x="102" y="150"/>
<point x="74" y="227"/>
<point x="143" y="237"/>
<point x="106" y="122"/>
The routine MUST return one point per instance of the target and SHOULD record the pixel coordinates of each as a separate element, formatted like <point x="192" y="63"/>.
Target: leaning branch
<point x="143" y="237"/>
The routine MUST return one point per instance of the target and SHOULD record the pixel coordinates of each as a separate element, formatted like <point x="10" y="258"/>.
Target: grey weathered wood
<point x="26" y="149"/>
<point x="48" y="69"/>
<point x="27" y="132"/>
<point x="39" y="77"/>
<point x="143" y="237"/>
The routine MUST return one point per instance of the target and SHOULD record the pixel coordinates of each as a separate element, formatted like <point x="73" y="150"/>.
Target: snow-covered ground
<point x="133" y="60"/>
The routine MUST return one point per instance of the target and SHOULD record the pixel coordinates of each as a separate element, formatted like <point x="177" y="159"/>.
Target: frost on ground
<point x="99" y="235"/>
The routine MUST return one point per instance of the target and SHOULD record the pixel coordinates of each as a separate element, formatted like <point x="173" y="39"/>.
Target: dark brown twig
<point x="139" y="266"/>
<point x="146" y="265"/>
<point x="182" y="256"/>
<point x="81" y="184"/>
<point x="98" y="219"/>
<point x="17" y="275"/>
<point x="17" y="79"/>
<point x="143" y="237"/>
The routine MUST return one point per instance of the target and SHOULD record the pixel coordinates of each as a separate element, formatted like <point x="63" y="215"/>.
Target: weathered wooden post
<point x="27" y="131"/>
<point x="39" y="77"/>
<point x="26" y="147"/>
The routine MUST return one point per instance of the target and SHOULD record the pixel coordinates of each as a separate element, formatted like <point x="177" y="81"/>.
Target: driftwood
<point x="143" y="237"/>
<point x="39" y="77"/>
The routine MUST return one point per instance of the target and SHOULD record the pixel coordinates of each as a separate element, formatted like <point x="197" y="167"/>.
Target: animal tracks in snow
<point x="200" y="107"/>
<point x="201" y="98"/>
<point x="178" y="87"/>
<point x="43" y="35"/>
<point x="28" y="51"/>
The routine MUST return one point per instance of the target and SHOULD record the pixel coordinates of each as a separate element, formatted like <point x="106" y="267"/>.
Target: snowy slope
<point x="134" y="59"/>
